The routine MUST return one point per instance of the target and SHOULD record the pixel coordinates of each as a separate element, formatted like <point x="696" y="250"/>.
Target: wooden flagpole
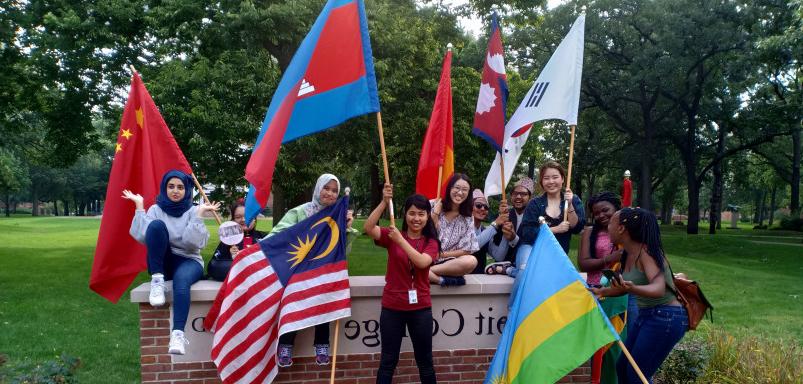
<point x="502" y="175"/>
<point x="569" y="176"/>
<point x="385" y="162"/>
<point x="194" y="179"/>
<point x="334" y="352"/>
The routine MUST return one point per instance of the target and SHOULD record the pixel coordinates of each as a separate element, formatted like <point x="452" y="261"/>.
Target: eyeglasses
<point x="481" y="206"/>
<point x="520" y="194"/>
<point x="458" y="189"/>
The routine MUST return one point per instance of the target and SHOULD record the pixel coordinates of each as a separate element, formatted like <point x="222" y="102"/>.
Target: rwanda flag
<point x="554" y="324"/>
<point x="329" y="80"/>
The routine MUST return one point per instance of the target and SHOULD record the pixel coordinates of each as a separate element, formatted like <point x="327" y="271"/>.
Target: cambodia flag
<point x="437" y="152"/>
<point x="489" y="118"/>
<point x="330" y="80"/>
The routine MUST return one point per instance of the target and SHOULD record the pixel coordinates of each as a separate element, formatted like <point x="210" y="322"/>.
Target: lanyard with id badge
<point x="412" y="293"/>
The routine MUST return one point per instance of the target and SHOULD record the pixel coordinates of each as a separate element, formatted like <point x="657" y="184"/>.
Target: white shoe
<point x="177" y="342"/>
<point x="157" y="295"/>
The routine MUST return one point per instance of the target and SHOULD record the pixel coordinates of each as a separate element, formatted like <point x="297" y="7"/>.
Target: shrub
<point x="752" y="361"/>
<point x="792" y="223"/>
<point x="58" y="371"/>
<point x="685" y="364"/>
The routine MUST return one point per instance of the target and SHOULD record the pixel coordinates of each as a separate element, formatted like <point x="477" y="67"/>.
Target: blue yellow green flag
<point x="554" y="323"/>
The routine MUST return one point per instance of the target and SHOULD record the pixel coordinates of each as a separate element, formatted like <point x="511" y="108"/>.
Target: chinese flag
<point x="438" y="147"/>
<point x="145" y="150"/>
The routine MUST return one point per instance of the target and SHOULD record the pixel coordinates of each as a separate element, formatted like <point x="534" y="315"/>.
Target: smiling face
<point x="459" y="193"/>
<point x="416" y="218"/>
<point x="551" y="181"/>
<point x="175" y="189"/>
<point x="520" y="197"/>
<point x="603" y="211"/>
<point x="239" y="218"/>
<point x="480" y="210"/>
<point x="328" y="194"/>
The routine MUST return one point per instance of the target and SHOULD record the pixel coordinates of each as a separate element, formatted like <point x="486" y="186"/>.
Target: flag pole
<point x="569" y="176"/>
<point x="194" y="179"/>
<point x="334" y="352"/>
<point x="502" y="175"/>
<point x="385" y="162"/>
<point x="632" y="362"/>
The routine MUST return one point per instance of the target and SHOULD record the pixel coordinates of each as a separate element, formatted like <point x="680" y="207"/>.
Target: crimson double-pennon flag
<point x="145" y="150"/>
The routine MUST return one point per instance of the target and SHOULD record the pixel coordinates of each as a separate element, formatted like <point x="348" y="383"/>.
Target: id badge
<point x="412" y="296"/>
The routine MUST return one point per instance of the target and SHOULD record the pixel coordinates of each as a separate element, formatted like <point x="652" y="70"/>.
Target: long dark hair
<point x="465" y="208"/>
<point x="598" y="198"/>
<point x="421" y="202"/>
<point x="236" y="204"/>
<point x="642" y="226"/>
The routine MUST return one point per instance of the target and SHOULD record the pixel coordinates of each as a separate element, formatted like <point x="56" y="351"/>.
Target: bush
<point x="685" y="364"/>
<point x="752" y="361"/>
<point x="792" y="223"/>
<point x="59" y="371"/>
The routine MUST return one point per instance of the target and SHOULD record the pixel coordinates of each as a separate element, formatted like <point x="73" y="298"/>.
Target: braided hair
<point x="600" y="197"/>
<point x="642" y="226"/>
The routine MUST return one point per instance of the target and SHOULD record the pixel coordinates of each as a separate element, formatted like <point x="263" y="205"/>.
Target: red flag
<point x="438" y="147"/>
<point x="627" y="192"/>
<point x="489" y="117"/>
<point x="144" y="152"/>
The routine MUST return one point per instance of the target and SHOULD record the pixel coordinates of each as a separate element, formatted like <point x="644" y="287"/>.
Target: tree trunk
<point x="531" y="169"/>
<point x="34" y="200"/>
<point x="645" y="183"/>
<point x="795" y="201"/>
<point x="66" y="207"/>
<point x="666" y="212"/>
<point x="692" y="225"/>
<point x="772" y="205"/>
<point x="55" y="207"/>
<point x="762" y="207"/>
<point x="8" y="204"/>
<point x="715" y="216"/>
<point x="279" y="204"/>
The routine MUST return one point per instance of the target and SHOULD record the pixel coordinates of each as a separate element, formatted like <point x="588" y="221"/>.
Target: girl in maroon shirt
<point x="405" y="300"/>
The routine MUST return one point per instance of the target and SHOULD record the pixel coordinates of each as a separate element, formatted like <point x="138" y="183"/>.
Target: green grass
<point x="46" y="307"/>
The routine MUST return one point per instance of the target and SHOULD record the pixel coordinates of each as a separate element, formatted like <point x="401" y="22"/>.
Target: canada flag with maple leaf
<point x="489" y="118"/>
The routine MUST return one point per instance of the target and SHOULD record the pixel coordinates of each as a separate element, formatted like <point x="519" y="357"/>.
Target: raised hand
<point x="395" y="235"/>
<point x="206" y="207"/>
<point x="568" y="196"/>
<point x="135" y="197"/>
<point x="387" y="193"/>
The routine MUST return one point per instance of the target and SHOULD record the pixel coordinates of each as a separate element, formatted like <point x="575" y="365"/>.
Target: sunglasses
<point x="481" y="206"/>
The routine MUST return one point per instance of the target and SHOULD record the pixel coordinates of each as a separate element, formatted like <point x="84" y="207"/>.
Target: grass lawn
<point x="753" y="278"/>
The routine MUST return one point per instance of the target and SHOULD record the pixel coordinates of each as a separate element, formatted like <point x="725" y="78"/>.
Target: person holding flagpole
<point x="452" y="216"/>
<point x="406" y="302"/>
<point x="327" y="189"/>
<point x="551" y="205"/>
<point x="174" y="233"/>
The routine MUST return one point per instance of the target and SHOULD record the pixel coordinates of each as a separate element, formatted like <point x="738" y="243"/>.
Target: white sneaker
<point x="157" y="295"/>
<point x="177" y="342"/>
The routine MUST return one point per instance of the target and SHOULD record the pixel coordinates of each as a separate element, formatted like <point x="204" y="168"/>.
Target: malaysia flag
<point x="293" y="280"/>
<point x="489" y="117"/>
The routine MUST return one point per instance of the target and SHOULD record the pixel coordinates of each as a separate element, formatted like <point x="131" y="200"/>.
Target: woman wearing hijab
<point x="325" y="194"/>
<point x="173" y="230"/>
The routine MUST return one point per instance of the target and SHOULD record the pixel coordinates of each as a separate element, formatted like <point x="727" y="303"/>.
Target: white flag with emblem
<point x="555" y="95"/>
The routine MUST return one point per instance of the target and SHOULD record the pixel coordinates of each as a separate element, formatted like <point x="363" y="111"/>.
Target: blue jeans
<point x="182" y="270"/>
<point x="632" y="312"/>
<point x="653" y="336"/>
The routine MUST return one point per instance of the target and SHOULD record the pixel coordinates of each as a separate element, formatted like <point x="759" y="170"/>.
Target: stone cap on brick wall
<point x="361" y="286"/>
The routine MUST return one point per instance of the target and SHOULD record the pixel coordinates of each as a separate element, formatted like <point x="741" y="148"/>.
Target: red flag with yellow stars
<point x="144" y="152"/>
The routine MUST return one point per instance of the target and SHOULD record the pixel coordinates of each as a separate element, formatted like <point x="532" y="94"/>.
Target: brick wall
<point x="464" y="366"/>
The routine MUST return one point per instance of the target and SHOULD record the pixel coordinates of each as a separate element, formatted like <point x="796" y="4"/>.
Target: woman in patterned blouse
<point x="452" y="216"/>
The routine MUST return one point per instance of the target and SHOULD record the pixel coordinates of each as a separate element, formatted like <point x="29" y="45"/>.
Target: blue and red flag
<point x="329" y="80"/>
<point x="489" y="117"/>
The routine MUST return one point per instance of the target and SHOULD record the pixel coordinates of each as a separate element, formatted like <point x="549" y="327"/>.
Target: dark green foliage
<point x="56" y="371"/>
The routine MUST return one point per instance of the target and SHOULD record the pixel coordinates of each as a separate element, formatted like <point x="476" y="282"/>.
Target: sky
<point x="474" y="25"/>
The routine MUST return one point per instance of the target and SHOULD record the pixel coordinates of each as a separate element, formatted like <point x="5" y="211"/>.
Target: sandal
<point x="499" y="268"/>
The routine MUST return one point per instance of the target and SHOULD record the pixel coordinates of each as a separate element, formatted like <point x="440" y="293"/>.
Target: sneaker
<point x="285" y="355"/>
<point x="449" y="281"/>
<point x="157" y="295"/>
<point x="322" y="354"/>
<point x="177" y="342"/>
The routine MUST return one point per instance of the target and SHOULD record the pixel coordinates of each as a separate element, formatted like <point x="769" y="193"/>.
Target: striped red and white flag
<point x="276" y="286"/>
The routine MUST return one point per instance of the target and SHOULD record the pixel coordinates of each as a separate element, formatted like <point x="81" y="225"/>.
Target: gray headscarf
<point x="315" y="205"/>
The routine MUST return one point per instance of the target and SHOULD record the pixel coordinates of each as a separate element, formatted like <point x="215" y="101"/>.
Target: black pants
<point x="321" y="335"/>
<point x="391" y="327"/>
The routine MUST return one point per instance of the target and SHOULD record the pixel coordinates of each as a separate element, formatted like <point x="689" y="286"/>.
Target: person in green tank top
<point x="662" y="320"/>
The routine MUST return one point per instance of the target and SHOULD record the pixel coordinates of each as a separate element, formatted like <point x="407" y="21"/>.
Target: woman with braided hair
<point x="662" y="320"/>
<point x="597" y="252"/>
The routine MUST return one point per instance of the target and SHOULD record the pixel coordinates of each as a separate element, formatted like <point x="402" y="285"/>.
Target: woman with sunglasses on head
<point x="406" y="302"/>
<point x="662" y="320"/>
<point x="173" y="230"/>
<point x="452" y="216"/>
